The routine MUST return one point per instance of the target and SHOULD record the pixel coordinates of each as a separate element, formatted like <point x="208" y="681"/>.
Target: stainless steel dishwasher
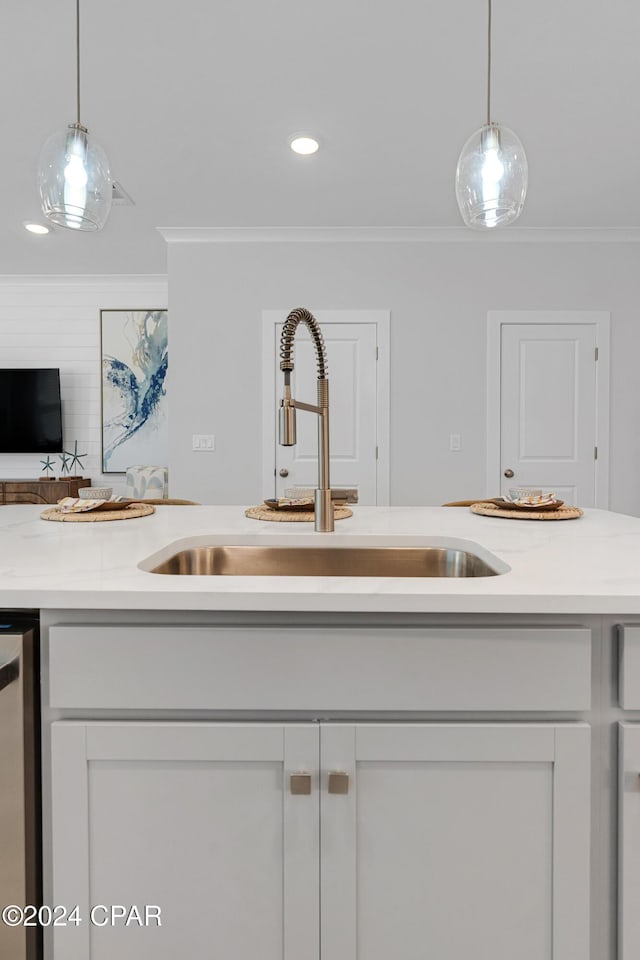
<point x="20" y="802"/>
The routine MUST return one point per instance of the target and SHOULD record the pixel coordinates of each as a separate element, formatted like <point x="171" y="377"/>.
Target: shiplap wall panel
<point x="55" y="322"/>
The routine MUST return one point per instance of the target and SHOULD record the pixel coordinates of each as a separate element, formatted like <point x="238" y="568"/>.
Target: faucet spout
<point x="324" y="520"/>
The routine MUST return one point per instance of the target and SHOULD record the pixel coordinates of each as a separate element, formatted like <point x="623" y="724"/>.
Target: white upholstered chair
<point x="144" y="482"/>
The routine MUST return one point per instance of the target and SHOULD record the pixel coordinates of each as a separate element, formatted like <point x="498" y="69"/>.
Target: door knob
<point x="508" y="473"/>
<point x="284" y="472"/>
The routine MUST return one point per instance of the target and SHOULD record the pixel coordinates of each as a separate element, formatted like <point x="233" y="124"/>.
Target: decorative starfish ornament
<point x="64" y="460"/>
<point x="76" y="457"/>
<point x="48" y="465"/>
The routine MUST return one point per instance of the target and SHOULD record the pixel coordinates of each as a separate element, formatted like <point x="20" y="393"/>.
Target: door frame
<point x="382" y="320"/>
<point x="601" y="320"/>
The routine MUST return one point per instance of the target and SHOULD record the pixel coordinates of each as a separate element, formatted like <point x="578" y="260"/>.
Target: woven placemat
<point x="294" y="516"/>
<point x="491" y="510"/>
<point x="95" y="516"/>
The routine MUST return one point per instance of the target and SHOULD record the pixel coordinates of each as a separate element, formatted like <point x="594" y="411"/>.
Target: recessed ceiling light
<point x="304" y="145"/>
<point x="38" y="228"/>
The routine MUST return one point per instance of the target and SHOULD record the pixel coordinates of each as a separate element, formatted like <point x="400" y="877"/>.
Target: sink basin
<point x="270" y="561"/>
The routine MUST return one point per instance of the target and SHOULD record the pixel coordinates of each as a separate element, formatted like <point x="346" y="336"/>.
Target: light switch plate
<point x="204" y="442"/>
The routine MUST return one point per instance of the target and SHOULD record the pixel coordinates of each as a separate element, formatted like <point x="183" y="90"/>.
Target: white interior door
<point x="357" y="356"/>
<point x="548" y="409"/>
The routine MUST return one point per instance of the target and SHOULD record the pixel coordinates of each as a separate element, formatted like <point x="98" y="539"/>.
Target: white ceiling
<point x="194" y="102"/>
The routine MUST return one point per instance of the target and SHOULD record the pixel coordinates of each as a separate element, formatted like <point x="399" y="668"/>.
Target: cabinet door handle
<point x="300" y="784"/>
<point x="338" y="782"/>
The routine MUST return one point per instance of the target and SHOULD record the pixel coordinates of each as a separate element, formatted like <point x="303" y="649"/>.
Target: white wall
<point x="439" y="294"/>
<point x="55" y="322"/>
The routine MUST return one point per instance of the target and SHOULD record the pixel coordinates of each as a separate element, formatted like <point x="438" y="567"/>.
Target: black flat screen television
<point x="30" y="411"/>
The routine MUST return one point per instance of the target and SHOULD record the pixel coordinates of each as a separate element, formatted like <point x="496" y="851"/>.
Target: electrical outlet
<point x="454" y="442"/>
<point x="203" y="442"/>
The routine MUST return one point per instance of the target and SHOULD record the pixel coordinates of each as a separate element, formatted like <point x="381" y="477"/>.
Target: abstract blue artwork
<point x="134" y="388"/>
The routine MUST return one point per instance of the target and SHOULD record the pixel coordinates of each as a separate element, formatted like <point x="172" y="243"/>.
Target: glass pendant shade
<point x="74" y="180"/>
<point x="491" y="177"/>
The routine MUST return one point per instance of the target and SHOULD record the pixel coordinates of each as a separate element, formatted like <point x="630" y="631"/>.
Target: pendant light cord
<point x="78" y="57"/>
<point x="488" y="69"/>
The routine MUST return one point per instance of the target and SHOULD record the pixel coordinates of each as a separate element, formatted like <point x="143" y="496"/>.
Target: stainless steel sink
<point x="270" y="561"/>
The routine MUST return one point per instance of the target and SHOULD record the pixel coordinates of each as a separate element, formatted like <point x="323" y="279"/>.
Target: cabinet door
<point x="629" y="843"/>
<point x="455" y="841"/>
<point x="197" y="819"/>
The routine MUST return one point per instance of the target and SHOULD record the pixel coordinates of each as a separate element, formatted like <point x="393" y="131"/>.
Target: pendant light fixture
<point x="492" y="172"/>
<point x="73" y="171"/>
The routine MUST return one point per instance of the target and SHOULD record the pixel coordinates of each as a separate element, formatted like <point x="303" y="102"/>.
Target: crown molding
<point x="82" y="279"/>
<point x="395" y="235"/>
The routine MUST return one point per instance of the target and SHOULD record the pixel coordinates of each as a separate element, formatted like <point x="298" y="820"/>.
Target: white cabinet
<point x="629" y="797"/>
<point x="440" y="840"/>
<point x="456" y="841"/>
<point x="629" y="842"/>
<point x="629" y="667"/>
<point x="339" y="669"/>
<point x="196" y="819"/>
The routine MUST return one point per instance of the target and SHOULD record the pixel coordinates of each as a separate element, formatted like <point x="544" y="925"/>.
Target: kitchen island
<point x="343" y="768"/>
<point x="589" y="565"/>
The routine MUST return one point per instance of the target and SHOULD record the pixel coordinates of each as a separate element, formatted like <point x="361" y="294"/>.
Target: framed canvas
<point x="134" y="363"/>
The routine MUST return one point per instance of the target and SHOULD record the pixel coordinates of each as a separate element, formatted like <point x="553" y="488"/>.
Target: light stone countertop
<point x="590" y="565"/>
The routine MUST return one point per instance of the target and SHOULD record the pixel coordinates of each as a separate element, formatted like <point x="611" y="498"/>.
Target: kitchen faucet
<point x="288" y="407"/>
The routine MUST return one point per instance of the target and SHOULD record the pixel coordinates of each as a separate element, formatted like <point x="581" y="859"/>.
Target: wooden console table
<point x="40" y="491"/>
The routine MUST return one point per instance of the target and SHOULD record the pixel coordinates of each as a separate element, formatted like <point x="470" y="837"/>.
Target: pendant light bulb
<point x="492" y="172"/>
<point x="74" y="178"/>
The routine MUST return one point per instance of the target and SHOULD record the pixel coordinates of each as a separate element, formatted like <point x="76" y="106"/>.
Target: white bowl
<point x="95" y="493"/>
<point x="521" y="493"/>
